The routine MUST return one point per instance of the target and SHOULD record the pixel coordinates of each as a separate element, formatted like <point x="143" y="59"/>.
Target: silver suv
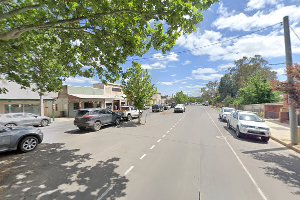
<point x="23" y="119"/>
<point x="23" y="138"/>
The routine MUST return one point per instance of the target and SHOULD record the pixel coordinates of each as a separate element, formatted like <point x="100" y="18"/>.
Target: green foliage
<point x="137" y="86"/>
<point x="210" y="91"/>
<point x="257" y="90"/>
<point x="181" y="98"/>
<point x="43" y="42"/>
<point x="228" y="101"/>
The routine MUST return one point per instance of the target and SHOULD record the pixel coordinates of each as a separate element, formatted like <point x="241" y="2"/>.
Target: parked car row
<point x="161" y="108"/>
<point x="245" y="123"/>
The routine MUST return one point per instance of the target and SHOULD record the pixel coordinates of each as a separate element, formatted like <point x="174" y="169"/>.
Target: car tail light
<point x="87" y="117"/>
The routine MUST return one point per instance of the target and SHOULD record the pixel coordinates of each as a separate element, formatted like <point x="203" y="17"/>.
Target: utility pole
<point x="289" y="62"/>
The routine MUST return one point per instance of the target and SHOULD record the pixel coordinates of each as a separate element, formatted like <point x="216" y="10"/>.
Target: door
<point x="109" y="117"/>
<point x="5" y="138"/>
<point x="31" y="119"/>
<point x="134" y="112"/>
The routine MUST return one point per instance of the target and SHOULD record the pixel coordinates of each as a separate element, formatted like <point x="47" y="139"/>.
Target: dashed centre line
<point x="164" y="136"/>
<point x="143" y="156"/>
<point x="159" y="140"/>
<point x="152" y="147"/>
<point x="128" y="170"/>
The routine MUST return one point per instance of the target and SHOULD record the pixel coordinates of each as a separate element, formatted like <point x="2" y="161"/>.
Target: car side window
<point x="234" y="115"/>
<point x="18" y="116"/>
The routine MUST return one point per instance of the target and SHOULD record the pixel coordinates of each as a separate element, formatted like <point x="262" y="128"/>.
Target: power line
<point x="295" y="33"/>
<point x="212" y="44"/>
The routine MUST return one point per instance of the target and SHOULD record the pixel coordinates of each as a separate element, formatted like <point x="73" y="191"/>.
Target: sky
<point x="194" y="61"/>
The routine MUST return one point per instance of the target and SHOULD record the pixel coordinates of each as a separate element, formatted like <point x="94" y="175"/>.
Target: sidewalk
<point x="62" y="119"/>
<point x="280" y="132"/>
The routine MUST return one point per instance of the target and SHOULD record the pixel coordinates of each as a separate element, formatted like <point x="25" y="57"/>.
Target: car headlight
<point x="244" y="126"/>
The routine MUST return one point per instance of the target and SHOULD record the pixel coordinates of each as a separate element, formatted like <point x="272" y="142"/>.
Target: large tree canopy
<point x="68" y="36"/>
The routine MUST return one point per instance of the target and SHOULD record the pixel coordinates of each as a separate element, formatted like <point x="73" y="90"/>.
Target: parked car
<point x="247" y="123"/>
<point x="95" y="118"/>
<point x="167" y="107"/>
<point x="179" y="108"/>
<point x="23" y="119"/>
<point x="24" y="139"/>
<point x="173" y="105"/>
<point x="225" y="113"/>
<point x="206" y="103"/>
<point x="157" y="108"/>
<point x="130" y="112"/>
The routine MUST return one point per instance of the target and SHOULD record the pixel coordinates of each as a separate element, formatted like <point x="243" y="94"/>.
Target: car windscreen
<point x="81" y="113"/>
<point x="228" y="110"/>
<point x="155" y="106"/>
<point x="249" y="118"/>
<point x="125" y="108"/>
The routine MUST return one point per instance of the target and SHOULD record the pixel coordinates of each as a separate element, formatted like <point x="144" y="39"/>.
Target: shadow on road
<point x="286" y="169"/>
<point x="246" y="138"/>
<point x="52" y="172"/>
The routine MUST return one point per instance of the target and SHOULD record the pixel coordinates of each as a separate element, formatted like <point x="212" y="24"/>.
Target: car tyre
<point x="28" y="143"/>
<point x="238" y="133"/>
<point x="129" y="118"/>
<point x="117" y="122"/>
<point x="97" y="126"/>
<point x="265" y="139"/>
<point x="81" y="128"/>
<point x="228" y="125"/>
<point x="44" y="123"/>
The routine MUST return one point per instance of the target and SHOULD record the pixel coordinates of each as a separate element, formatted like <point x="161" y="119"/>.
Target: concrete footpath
<point x="280" y="132"/>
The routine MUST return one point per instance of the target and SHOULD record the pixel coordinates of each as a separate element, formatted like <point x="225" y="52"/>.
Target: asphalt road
<point x="187" y="156"/>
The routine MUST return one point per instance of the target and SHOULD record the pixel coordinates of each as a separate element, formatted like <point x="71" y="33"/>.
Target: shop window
<point x="88" y="105"/>
<point x="75" y="106"/>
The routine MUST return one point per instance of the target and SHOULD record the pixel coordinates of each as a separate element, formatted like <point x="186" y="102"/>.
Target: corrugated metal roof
<point x="15" y="92"/>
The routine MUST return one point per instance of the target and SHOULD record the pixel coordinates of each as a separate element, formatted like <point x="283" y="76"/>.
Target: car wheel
<point x="117" y="122"/>
<point x="228" y="125"/>
<point x="238" y="133"/>
<point x="44" y="123"/>
<point x="10" y="125"/>
<point x="265" y="139"/>
<point x="129" y="117"/>
<point x="28" y="144"/>
<point x="81" y="128"/>
<point x="97" y="126"/>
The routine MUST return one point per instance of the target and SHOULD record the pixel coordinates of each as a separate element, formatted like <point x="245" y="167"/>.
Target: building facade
<point x="24" y="100"/>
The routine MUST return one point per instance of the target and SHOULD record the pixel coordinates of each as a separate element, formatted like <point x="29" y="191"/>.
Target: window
<point x="18" y="115"/>
<point x="75" y="106"/>
<point x="88" y="105"/>
<point x="116" y="89"/>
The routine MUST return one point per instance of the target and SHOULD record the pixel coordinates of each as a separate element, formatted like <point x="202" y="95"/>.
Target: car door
<point x="109" y="117"/>
<point x="31" y="119"/>
<point x="18" y="119"/>
<point x="5" y="138"/>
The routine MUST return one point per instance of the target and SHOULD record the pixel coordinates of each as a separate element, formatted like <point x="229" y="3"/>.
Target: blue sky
<point x="190" y="70"/>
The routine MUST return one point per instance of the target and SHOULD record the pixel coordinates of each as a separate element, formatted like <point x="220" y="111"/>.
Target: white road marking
<point x="240" y="161"/>
<point x="143" y="156"/>
<point x="128" y="170"/>
<point x="152" y="147"/>
<point x="159" y="140"/>
<point x="164" y="136"/>
<point x="168" y="131"/>
<point x="105" y="192"/>
<point x="171" y="128"/>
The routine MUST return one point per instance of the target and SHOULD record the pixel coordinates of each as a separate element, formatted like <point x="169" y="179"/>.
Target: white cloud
<point x="194" y="86"/>
<point x="80" y="80"/>
<point x="170" y="83"/>
<point x="161" y="61"/>
<point x="204" y="71"/>
<point x="173" y="75"/>
<point x="260" y="19"/>
<point x="186" y="62"/>
<point x="206" y="74"/>
<point x="269" y="46"/>
<point x="225" y="67"/>
<point x="259" y="4"/>
<point x="280" y="71"/>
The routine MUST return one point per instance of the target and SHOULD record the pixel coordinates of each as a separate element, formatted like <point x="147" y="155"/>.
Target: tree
<point x="100" y="34"/>
<point x="257" y="90"/>
<point x="137" y="86"/>
<point x="247" y="67"/>
<point x="292" y="90"/>
<point x="181" y="98"/>
<point x="226" y="87"/>
<point x="210" y="91"/>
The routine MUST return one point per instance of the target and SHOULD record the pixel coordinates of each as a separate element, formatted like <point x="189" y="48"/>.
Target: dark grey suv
<point x="95" y="118"/>
<point x="23" y="138"/>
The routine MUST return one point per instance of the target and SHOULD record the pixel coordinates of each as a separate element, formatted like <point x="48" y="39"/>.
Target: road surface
<point x="173" y="156"/>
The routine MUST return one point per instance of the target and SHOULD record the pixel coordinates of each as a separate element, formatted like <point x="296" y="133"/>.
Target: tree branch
<point x="18" y="11"/>
<point x="17" y="32"/>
